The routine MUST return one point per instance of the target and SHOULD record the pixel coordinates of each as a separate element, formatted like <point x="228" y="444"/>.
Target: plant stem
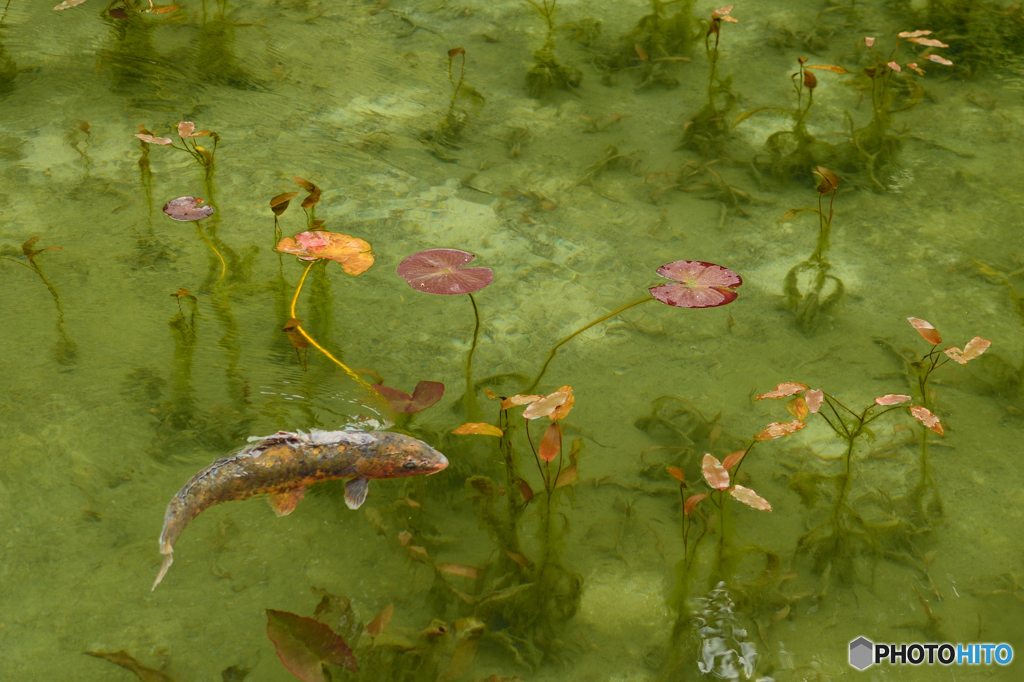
<point x="381" y="405"/>
<point x="223" y="265"/>
<point x="471" y="404"/>
<point x="554" y="349"/>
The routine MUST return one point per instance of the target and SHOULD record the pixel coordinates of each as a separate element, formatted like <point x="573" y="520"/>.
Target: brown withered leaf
<point x="518" y="399"/>
<point x="783" y="390"/>
<point x="973" y="349"/>
<point x="925" y="416"/>
<point x="567" y="476"/>
<point x="125" y="660"/>
<point x="524" y="489"/>
<point x="778" y="430"/>
<point x="380" y="621"/>
<point x="828" y="67"/>
<point x="829" y="180"/>
<point x="291" y="328"/>
<point x="798" y="407"/>
<point x="810" y="80"/>
<point x="279" y="204"/>
<point x="518" y="558"/>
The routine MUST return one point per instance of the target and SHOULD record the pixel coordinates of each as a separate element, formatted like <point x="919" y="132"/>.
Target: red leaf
<point x="398" y="400"/>
<point x="691" y="503"/>
<point x="714" y="473"/>
<point x="550" y="444"/>
<point x="441" y="271"/>
<point x="524" y="489"/>
<point x="925" y="329"/>
<point x="676" y="473"/>
<point x="304" y="645"/>
<point x="696" y="284"/>
<point x="424" y="395"/>
<point x="732" y="460"/>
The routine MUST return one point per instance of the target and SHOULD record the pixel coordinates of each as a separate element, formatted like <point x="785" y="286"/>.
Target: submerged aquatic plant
<point x="547" y="74"/>
<point x="893" y="89"/>
<point x="187" y="135"/>
<point x="707" y="130"/>
<point x="448" y="131"/>
<point x="443" y="272"/>
<point x="794" y="152"/>
<point x="66" y="348"/>
<point x="658" y="39"/>
<point x="193" y="210"/>
<point x="810" y="289"/>
<point x="696" y="284"/>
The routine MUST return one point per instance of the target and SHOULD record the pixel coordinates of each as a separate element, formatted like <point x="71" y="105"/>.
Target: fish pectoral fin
<point x="284" y="503"/>
<point x="355" y="492"/>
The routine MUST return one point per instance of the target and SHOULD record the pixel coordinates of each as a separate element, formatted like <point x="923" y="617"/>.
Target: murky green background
<point x="98" y="431"/>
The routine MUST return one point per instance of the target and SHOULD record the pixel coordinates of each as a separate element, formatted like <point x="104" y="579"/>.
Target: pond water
<point x="117" y="386"/>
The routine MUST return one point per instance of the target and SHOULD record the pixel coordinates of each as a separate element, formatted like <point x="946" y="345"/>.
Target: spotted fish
<point x="282" y="465"/>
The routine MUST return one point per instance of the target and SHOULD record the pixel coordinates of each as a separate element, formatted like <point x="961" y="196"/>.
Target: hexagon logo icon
<point x="862" y="653"/>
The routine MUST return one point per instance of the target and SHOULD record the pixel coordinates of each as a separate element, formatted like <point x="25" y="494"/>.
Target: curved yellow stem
<point x="312" y="341"/>
<point x="223" y="265"/>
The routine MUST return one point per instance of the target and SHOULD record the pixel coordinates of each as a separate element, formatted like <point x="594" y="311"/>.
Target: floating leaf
<point x="894" y="66"/>
<point x="973" y="349"/>
<point x="714" y="473"/>
<point x="778" y="430"/>
<point x="519" y="399"/>
<point x="692" y="501"/>
<point x="352" y="253"/>
<point x="869" y="41"/>
<point x="304" y="645"/>
<point x="562" y="411"/>
<point x="732" y="460"/>
<point x="723" y="14"/>
<point x="926" y="330"/>
<point x="279" y="204"/>
<point x="164" y="141"/>
<point x="929" y="42"/>
<point x="548" y="405"/>
<point x="939" y="60"/>
<point x="442" y="272"/>
<point x="186" y="128"/>
<point x="913" y="34"/>
<point x="550" y="444"/>
<point x="427" y="393"/>
<point x="783" y="390"/>
<point x="65" y="5"/>
<point x="892" y="399"/>
<point x="187" y="209"/>
<point x="125" y="660"/>
<point x="460" y="570"/>
<point x="925" y="416"/>
<point x="814" y="398"/>
<point x="479" y="429"/>
<point x="750" y="498"/>
<point x="676" y="473"/>
<point x="697" y="284"/>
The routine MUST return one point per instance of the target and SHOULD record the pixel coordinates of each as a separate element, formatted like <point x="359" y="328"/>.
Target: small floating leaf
<point x="892" y="399"/>
<point x="154" y="140"/>
<point x="460" y="570"/>
<point x="973" y="349"/>
<point x="778" y="430"/>
<point x="798" y="408"/>
<point x="783" y="390"/>
<point x="478" y="428"/>
<point x="750" y="498"/>
<point x="697" y="284"/>
<point x="549" y="405"/>
<point x="814" y="399"/>
<point x="352" y="253"/>
<point x="187" y="209"/>
<point x="925" y="416"/>
<point x="442" y="272"/>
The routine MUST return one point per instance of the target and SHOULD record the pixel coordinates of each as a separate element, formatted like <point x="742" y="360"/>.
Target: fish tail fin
<point x="168" y="560"/>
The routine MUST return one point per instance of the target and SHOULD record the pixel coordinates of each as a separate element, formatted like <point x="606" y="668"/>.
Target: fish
<point x="282" y="465"/>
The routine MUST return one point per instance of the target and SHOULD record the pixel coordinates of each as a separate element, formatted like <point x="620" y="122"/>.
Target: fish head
<point x="399" y="455"/>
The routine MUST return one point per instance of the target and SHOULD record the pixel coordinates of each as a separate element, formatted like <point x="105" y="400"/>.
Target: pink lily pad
<point x="697" y="284"/>
<point x="441" y="271"/>
<point x="187" y="209"/>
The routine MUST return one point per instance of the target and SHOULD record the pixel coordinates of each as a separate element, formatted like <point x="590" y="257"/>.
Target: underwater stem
<point x="554" y="349"/>
<point x="471" y="404"/>
<point x="223" y="265"/>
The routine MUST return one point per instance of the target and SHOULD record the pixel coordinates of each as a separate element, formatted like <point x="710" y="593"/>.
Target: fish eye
<point x="409" y="465"/>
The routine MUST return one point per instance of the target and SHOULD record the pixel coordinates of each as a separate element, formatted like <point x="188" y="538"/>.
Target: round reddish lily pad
<point x="441" y="271"/>
<point x="187" y="209"/>
<point x="697" y="284"/>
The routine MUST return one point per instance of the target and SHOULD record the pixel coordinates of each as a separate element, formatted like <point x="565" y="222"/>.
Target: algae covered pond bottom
<point x="226" y="220"/>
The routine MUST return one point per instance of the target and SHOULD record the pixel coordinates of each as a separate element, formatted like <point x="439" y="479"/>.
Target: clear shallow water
<point x="96" y="442"/>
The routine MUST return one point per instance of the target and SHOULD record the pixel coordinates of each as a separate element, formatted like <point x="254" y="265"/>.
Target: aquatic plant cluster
<point x="519" y="457"/>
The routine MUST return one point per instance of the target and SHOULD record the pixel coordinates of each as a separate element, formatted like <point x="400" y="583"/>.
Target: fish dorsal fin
<point x="284" y="503"/>
<point x="355" y="492"/>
